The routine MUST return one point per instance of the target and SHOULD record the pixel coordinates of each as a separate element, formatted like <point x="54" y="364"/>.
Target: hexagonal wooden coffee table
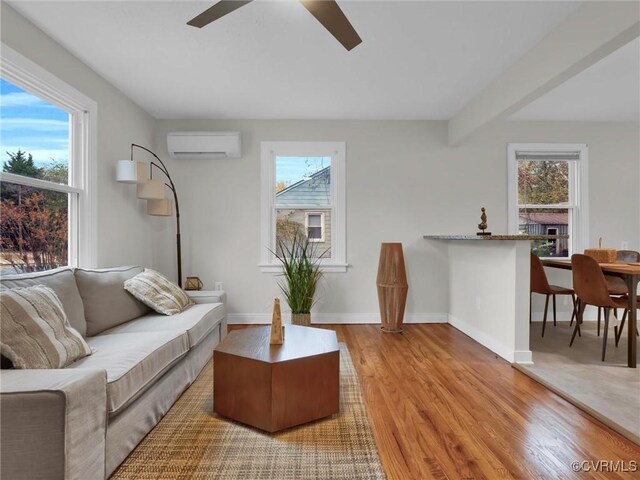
<point x="273" y="387"/>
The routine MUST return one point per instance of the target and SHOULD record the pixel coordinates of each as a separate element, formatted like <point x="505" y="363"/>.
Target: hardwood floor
<point x="444" y="407"/>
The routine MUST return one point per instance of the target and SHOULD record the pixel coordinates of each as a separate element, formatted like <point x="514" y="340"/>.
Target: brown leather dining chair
<point x="619" y="328"/>
<point x="540" y="284"/>
<point x="591" y="287"/>
<point x="616" y="285"/>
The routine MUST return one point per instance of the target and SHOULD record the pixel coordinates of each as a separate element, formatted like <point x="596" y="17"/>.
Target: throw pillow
<point x="35" y="331"/>
<point x="106" y="303"/>
<point x="159" y="293"/>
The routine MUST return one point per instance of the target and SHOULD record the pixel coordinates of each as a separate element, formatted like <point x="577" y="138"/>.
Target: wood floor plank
<point x="444" y="407"/>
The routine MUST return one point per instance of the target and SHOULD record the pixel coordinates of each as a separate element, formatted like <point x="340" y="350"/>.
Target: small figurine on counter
<point x="483" y="223"/>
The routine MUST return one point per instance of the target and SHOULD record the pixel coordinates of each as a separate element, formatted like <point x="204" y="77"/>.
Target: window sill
<point x="329" y="268"/>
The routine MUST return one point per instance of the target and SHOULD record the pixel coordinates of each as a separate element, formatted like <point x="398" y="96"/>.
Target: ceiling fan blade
<point x="329" y="14"/>
<point x="220" y="9"/>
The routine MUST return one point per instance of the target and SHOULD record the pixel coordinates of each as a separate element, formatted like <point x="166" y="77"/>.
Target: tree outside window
<point x="34" y="221"/>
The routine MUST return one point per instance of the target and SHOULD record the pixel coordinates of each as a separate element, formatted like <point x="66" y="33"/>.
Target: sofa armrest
<point x="53" y="424"/>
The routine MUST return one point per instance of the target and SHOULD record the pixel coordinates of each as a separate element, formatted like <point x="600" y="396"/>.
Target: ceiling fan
<point x="327" y="12"/>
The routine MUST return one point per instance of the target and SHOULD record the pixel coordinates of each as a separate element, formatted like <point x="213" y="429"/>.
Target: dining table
<point x="630" y="273"/>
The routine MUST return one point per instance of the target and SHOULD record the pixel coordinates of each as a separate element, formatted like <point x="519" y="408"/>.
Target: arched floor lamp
<point x="152" y="191"/>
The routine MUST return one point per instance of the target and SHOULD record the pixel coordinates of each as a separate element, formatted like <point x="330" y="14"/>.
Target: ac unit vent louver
<point x="203" y="145"/>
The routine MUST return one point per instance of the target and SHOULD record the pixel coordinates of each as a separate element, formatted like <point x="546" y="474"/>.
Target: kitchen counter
<point x="494" y="237"/>
<point x="489" y="289"/>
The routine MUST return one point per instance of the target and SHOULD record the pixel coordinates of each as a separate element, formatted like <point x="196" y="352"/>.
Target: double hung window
<point x="46" y="191"/>
<point x="547" y="195"/>
<point x="303" y="190"/>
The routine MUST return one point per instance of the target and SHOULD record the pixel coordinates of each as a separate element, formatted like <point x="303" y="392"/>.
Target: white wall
<point x="402" y="181"/>
<point x="124" y="230"/>
<point x="489" y="294"/>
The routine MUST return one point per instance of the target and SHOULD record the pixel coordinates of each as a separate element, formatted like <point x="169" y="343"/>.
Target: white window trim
<point x="31" y="77"/>
<point x="578" y="205"/>
<point x="322" y="225"/>
<point x="336" y="150"/>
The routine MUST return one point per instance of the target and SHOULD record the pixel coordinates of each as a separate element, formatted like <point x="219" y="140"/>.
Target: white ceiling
<point x="419" y="60"/>
<point x="608" y="91"/>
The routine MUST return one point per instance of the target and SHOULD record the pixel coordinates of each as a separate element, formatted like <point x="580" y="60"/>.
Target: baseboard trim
<point x="523" y="357"/>
<point x="482" y="338"/>
<point x="248" y="318"/>
<point x="334" y="318"/>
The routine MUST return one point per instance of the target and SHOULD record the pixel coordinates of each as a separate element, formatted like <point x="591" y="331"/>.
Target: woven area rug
<point x="193" y="442"/>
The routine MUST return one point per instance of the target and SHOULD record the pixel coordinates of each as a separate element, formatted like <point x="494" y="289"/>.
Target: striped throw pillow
<point x="35" y="332"/>
<point x="157" y="292"/>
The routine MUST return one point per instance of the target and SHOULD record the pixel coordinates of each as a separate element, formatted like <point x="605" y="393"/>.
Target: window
<point x="556" y="248"/>
<point x="47" y="202"/>
<point x="303" y="190"/>
<point x="548" y="195"/>
<point x="314" y="223"/>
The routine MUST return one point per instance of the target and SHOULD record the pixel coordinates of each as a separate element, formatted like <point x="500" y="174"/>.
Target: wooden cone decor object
<point x="277" y="330"/>
<point x="392" y="287"/>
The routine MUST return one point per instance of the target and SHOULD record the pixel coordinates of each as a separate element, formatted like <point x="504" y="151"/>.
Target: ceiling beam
<point x="594" y="31"/>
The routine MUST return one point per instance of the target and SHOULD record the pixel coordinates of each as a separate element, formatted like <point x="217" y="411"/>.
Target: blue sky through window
<point x="32" y="125"/>
<point x="293" y="169"/>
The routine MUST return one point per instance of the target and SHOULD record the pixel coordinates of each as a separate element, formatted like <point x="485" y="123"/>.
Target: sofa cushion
<point x="197" y="320"/>
<point x="133" y="361"/>
<point x="158" y="292"/>
<point x="63" y="283"/>
<point x="35" y="332"/>
<point x="106" y="302"/>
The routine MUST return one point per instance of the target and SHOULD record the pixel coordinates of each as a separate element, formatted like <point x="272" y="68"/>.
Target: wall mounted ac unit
<point x="203" y="145"/>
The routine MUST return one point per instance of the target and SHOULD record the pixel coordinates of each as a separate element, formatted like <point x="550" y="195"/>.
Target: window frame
<point x="269" y="150"/>
<point x="578" y="204"/>
<point x="83" y="114"/>
<point x="321" y="239"/>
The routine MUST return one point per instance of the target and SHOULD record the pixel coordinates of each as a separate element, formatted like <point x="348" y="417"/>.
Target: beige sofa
<point x="82" y="421"/>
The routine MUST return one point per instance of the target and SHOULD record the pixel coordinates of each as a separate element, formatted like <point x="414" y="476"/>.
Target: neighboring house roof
<point x="545" y="218"/>
<point x="315" y="190"/>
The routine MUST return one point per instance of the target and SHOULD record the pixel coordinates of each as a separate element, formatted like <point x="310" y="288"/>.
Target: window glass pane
<point x="288" y="221"/>
<point x="546" y="221"/>
<point x="543" y="182"/>
<point x="315" y="220"/>
<point x="314" y="233"/>
<point x="303" y="181"/>
<point x="34" y="233"/>
<point x="34" y="135"/>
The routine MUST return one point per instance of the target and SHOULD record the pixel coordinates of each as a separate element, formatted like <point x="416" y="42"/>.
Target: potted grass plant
<point x="300" y="274"/>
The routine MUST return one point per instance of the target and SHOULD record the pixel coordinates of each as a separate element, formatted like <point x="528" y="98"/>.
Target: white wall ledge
<point x="493" y="237"/>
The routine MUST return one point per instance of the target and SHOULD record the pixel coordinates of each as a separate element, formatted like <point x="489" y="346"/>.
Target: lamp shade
<point x="126" y="171"/>
<point x="160" y="208"/>
<point x="150" y="190"/>
<point x="142" y="169"/>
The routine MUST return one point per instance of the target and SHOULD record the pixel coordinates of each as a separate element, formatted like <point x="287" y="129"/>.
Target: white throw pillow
<point x="158" y="292"/>
<point x="35" y="331"/>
